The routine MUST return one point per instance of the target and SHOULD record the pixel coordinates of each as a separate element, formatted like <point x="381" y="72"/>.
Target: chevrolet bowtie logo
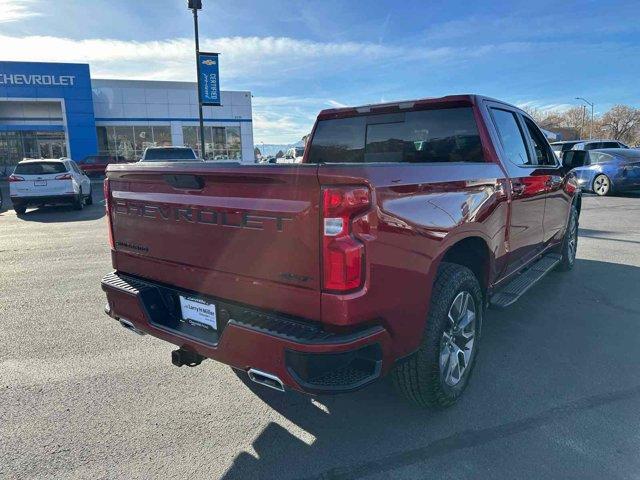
<point x="208" y="62"/>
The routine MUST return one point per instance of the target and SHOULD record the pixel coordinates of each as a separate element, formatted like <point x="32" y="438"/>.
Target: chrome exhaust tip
<point x="130" y="326"/>
<point x="266" y="379"/>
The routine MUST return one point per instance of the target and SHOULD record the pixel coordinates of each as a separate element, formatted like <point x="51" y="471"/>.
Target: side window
<point x="540" y="145"/>
<point x="592" y="145"/>
<point x="511" y="137"/>
<point x="610" y="145"/>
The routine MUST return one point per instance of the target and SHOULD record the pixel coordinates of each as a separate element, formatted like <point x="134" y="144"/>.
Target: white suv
<point x="48" y="181"/>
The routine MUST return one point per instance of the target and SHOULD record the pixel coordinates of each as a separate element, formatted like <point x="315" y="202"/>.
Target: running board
<point x="517" y="287"/>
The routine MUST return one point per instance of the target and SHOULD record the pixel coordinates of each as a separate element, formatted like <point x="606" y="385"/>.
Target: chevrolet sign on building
<point x="50" y="110"/>
<point x="9" y="79"/>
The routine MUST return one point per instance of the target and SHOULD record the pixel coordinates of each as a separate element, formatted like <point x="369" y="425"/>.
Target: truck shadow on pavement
<point x="527" y="381"/>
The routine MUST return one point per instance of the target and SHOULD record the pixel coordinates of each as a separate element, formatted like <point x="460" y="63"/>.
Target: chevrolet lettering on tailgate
<point x="207" y="216"/>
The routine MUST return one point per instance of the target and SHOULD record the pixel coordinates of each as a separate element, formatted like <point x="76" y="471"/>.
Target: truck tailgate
<point x="256" y="224"/>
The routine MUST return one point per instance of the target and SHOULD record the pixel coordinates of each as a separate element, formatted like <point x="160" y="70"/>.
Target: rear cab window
<point x="422" y="136"/>
<point x="168" y="154"/>
<point x="40" y="168"/>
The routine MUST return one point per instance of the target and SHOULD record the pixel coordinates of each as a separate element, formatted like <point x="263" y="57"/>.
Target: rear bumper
<point x="42" y="199"/>
<point x="303" y="355"/>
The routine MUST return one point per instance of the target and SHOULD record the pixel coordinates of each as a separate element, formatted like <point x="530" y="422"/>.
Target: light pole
<point x="196" y="5"/>
<point x="591" y="105"/>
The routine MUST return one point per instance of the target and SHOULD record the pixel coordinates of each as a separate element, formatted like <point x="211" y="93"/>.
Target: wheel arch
<point x="474" y="253"/>
<point x="577" y="201"/>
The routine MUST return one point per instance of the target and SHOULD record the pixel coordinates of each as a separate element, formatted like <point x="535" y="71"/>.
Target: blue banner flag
<point x="209" y="80"/>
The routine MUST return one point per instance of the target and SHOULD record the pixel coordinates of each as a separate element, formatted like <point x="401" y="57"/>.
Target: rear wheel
<point x="78" y="203"/>
<point x="437" y="374"/>
<point x="570" y="242"/>
<point x="601" y="185"/>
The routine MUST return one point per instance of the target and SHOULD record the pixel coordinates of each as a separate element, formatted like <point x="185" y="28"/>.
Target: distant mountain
<point x="270" y="149"/>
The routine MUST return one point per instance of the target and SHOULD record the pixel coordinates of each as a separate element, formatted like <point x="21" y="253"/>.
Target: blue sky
<point x="298" y="57"/>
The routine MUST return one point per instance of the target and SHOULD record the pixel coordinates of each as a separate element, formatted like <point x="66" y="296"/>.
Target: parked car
<point x="294" y="155"/>
<point x="376" y="256"/>
<point x="560" y="147"/>
<point x="97" y="164"/>
<point x="598" y="144"/>
<point x="605" y="171"/>
<point x="168" y="154"/>
<point x="42" y="182"/>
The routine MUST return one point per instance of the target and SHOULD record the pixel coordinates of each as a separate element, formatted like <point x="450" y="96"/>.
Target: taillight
<point x="64" y="176"/>
<point x="16" y="178"/>
<point x="342" y="253"/>
<point x="107" y="204"/>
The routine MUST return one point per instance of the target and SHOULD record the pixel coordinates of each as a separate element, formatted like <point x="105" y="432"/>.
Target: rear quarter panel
<point x="418" y="212"/>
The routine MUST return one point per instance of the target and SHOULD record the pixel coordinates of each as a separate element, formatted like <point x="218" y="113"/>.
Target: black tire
<point x="90" y="197"/>
<point x="20" y="210"/>
<point x="420" y="377"/>
<point x="601" y="185"/>
<point x="78" y="203"/>
<point x="568" y="251"/>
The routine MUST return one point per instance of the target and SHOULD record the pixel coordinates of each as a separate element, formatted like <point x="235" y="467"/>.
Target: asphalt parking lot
<point x="556" y="392"/>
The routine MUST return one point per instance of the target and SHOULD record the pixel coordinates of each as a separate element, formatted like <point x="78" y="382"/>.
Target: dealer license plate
<point x="199" y="311"/>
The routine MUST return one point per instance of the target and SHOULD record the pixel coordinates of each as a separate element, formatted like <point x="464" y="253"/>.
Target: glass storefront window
<point x="51" y="144"/>
<point x="16" y="145"/>
<point x="234" y="144"/>
<point x="103" y="142"/>
<point x="221" y="143"/>
<point x="162" y="136"/>
<point x="191" y="138"/>
<point x="143" y="138"/>
<point x="30" y="146"/>
<point x="130" y="141"/>
<point x="124" y="143"/>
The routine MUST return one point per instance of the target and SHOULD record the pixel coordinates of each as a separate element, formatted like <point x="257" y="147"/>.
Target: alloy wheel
<point x="601" y="185"/>
<point x="572" y="246"/>
<point x="456" y="344"/>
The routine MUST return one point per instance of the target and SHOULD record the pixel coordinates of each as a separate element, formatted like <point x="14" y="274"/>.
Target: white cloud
<point x="173" y="59"/>
<point x="14" y="10"/>
<point x="545" y="107"/>
<point x="336" y="104"/>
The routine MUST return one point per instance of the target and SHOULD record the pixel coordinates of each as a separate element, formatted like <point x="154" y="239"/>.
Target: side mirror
<point x="574" y="158"/>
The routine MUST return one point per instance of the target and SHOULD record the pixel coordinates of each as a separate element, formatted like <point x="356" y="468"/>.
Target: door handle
<point x="518" y="188"/>
<point x="553" y="182"/>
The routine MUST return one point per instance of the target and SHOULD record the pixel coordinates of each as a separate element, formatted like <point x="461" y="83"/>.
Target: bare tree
<point x="544" y="118"/>
<point x="577" y="119"/>
<point x="621" y="123"/>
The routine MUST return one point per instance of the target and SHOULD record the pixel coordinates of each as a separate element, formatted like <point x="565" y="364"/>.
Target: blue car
<point x="608" y="170"/>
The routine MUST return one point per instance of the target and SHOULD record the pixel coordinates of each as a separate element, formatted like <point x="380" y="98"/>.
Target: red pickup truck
<point x="378" y="254"/>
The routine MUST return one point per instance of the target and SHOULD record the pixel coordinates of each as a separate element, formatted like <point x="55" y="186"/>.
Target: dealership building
<point x="51" y="110"/>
